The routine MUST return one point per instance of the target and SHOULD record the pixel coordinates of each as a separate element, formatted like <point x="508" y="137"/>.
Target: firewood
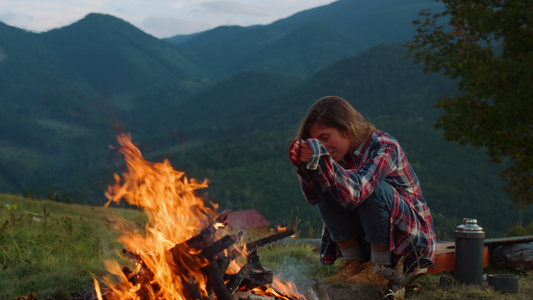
<point x="215" y="281"/>
<point x="218" y="246"/>
<point x="223" y="262"/>
<point x="247" y="295"/>
<point x="260" y="243"/>
<point x="213" y="258"/>
<point x="191" y="288"/>
<point x="257" y="276"/>
<point x="235" y="280"/>
<point x="207" y="235"/>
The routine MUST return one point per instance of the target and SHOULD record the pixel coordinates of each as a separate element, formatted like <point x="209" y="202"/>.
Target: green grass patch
<point x="51" y="249"/>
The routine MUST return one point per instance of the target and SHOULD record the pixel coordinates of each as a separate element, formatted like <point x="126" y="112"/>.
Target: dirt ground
<point x="428" y="288"/>
<point x="346" y="293"/>
<point x="318" y="290"/>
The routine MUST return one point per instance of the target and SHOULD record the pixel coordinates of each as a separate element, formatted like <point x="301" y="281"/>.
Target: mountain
<point x="224" y="104"/>
<point x="42" y="102"/>
<point x="117" y="58"/>
<point x="307" y="41"/>
<point x="74" y="87"/>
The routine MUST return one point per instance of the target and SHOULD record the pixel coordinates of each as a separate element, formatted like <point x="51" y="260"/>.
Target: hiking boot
<point x="368" y="275"/>
<point x="348" y="269"/>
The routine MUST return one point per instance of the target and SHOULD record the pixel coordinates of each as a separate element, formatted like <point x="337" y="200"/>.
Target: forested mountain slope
<point x="307" y="41"/>
<point x="224" y="104"/>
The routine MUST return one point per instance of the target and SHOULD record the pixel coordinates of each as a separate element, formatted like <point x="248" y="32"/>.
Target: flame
<point x="175" y="214"/>
<point x="280" y="290"/>
<point x="166" y="266"/>
<point x="281" y="229"/>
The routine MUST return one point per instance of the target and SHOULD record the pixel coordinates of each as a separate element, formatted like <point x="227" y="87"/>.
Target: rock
<point x="518" y="257"/>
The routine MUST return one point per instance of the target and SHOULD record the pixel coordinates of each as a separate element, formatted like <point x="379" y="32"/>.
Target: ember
<point x="183" y="252"/>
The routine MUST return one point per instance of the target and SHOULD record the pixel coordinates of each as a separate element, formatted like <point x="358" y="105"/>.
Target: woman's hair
<point x="333" y="111"/>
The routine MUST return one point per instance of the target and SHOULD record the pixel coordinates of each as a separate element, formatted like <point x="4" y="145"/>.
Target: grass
<point x="52" y="250"/>
<point x="302" y="258"/>
<point x="299" y="262"/>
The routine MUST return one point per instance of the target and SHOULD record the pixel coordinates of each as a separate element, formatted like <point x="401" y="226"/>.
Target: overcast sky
<point x="161" y="18"/>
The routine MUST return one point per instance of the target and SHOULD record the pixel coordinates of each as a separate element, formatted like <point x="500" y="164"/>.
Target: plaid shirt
<point x="378" y="159"/>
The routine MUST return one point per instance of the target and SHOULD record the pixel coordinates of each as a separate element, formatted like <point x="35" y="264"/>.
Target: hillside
<point x="65" y="93"/>
<point x="307" y="41"/>
<point x="247" y="164"/>
<point x="115" y="57"/>
<point x="224" y="104"/>
<point x="35" y="118"/>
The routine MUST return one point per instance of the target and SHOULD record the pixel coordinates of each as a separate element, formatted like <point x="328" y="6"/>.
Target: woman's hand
<point x="300" y="151"/>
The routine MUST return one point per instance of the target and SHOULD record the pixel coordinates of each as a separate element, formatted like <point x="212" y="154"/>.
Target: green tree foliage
<point x="488" y="47"/>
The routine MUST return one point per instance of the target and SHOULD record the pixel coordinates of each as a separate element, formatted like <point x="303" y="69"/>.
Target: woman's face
<point x="337" y="143"/>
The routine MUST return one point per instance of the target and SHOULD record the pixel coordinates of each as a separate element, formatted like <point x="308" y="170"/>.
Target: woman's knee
<point x="380" y="200"/>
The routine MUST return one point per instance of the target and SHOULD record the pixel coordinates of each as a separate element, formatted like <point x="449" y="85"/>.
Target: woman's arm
<point x="351" y="186"/>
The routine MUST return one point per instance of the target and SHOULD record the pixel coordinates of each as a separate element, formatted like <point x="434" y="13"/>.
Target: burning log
<point x="257" y="276"/>
<point x="191" y="288"/>
<point x="235" y="280"/>
<point x="223" y="286"/>
<point x="204" y="239"/>
<point x="218" y="247"/>
<point x="216" y="282"/>
<point x="247" y="295"/>
<point x="223" y="262"/>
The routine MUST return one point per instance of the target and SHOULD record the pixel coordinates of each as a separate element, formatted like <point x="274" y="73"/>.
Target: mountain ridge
<point x="100" y="41"/>
<point x="224" y="115"/>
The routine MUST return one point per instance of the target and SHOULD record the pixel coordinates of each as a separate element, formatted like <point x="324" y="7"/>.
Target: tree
<point x="487" y="46"/>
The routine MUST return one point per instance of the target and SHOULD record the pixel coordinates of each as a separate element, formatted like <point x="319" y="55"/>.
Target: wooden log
<point x="179" y="254"/>
<point x="261" y="242"/>
<point x="506" y="241"/>
<point x="253" y="261"/>
<point x="223" y="262"/>
<point x="218" y="246"/>
<point x="235" y="280"/>
<point x="207" y="235"/>
<point x="257" y="276"/>
<point x="247" y="295"/>
<point x="191" y="288"/>
<point x="215" y="281"/>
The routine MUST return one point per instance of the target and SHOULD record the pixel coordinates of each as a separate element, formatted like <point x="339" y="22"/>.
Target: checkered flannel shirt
<point x="378" y="159"/>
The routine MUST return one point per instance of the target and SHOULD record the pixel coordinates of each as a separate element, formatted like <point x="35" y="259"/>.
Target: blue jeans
<point x="369" y="222"/>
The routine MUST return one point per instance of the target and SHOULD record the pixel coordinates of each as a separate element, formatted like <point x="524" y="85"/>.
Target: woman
<point x="366" y="191"/>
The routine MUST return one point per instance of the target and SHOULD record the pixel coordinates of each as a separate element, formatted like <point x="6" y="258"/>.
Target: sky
<point x="160" y="18"/>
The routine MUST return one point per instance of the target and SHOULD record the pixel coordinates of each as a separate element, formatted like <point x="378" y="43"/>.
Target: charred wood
<point x="223" y="262"/>
<point x="215" y="281"/>
<point x="212" y="257"/>
<point x="236" y="279"/>
<point x="207" y="235"/>
<point x="191" y="288"/>
<point x="218" y="246"/>
<point x="257" y="276"/>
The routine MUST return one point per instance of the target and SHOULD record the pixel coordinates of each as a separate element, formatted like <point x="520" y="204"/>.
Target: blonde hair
<point x="334" y="111"/>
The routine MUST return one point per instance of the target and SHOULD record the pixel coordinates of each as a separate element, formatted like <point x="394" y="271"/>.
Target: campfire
<point x="185" y="251"/>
